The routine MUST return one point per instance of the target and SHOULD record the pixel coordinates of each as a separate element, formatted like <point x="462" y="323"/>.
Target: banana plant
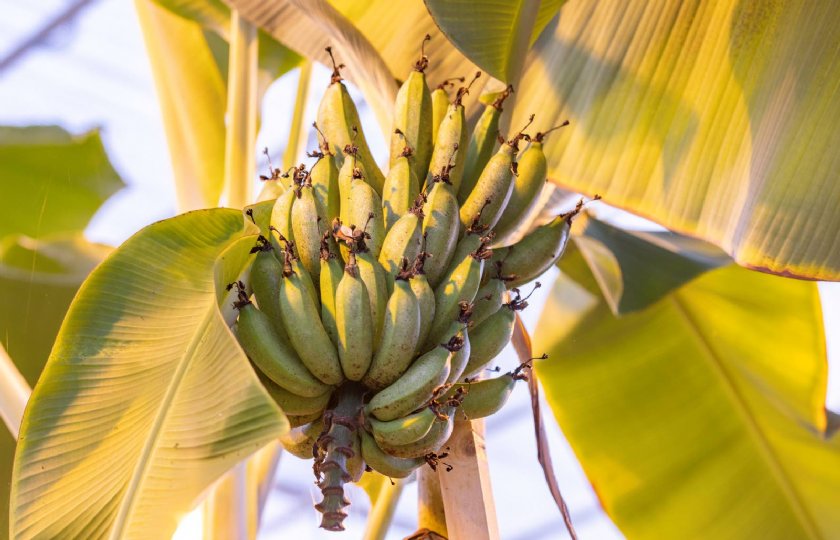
<point x="350" y="312"/>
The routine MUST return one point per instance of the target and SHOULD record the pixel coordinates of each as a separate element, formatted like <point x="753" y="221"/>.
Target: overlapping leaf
<point x="703" y="415"/>
<point x="146" y="398"/>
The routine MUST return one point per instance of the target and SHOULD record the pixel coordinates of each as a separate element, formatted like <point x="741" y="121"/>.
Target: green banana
<point x="294" y="404"/>
<point x="487" y="397"/>
<point x="273" y="357"/>
<point x="413" y="118"/>
<point x="363" y="208"/>
<point x="303" y="323"/>
<point x="461" y="357"/>
<point x="482" y="142"/>
<point x="488" y="300"/>
<point x="356" y="463"/>
<point x="529" y="258"/>
<point x="266" y="273"/>
<point x="339" y="120"/>
<point x="303" y="419"/>
<point x="399" y="336"/>
<point x="405" y="430"/>
<point x="403" y="239"/>
<point x="450" y="149"/>
<point x="440" y="104"/>
<point x="300" y="441"/>
<point x="281" y="217"/>
<point x="414" y="388"/>
<point x="373" y="275"/>
<point x="324" y="178"/>
<point x="441" y="229"/>
<point x="532" y="170"/>
<point x="309" y="222"/>
<point x="400" y="190"/>
<point x="354" y="323"/>
<point x="432" y="442"/>
<point x="459" y="285"/>
<point x="379" y="461"/>
<point x="331" y="274"/>
<point x="289" y="257"/>
<point x="425" y="297"/>
<point x="487" y="200"/>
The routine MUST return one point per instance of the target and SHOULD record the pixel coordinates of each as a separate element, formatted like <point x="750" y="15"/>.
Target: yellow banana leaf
<point x="146" y="398"/>
<point x="703" y="415"/>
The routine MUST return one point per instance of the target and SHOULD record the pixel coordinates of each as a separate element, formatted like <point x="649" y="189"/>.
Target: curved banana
<point x="309" y="222"/>
<point x="440" y="104"/>
<point x="297" y="421"/>
<point x="293" y="404"/>
<point x="450" y="149"/>
<point x="487" y="200"/>
<point x="487" y="397"/>
<point x="379" y="461"/>
<point x="400" y="190"/>
<point x="354" y="323"/>
<point x="405" y="430"/>
<point x="461" y="357"/>
<point x="532" y="170"/>
<point x="339" y="120"/>
<point x="266" y="273"/>
<point x="413" y="118"/>
<point x="373" y="275"/>
<point x="529" y="258"/>
<point x="281" y="218"/>
<point x="324" y="178"/>
<point x="482" y="142"/>
<point x="425" y="298"/>
<point x="432" y="442"/>
<point x="403" y="239"/>
<point x="459" y="285"/>
<point x="274" y="358"/>
<point x="331" y="274"/>
<point x="299" y="441"/>
<point x="399" y="336"/>
<point x="441" y="229"/>
<point x="414" y="388"/>
<point x="303" y="324"/>
<point x="363" y="209"/>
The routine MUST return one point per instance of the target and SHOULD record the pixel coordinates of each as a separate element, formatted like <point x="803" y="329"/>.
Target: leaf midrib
<point x="740" y="404"/>
<point x="130" y="497"/>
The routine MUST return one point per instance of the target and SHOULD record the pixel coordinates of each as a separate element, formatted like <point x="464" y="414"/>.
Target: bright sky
<point x="94" y="73"/>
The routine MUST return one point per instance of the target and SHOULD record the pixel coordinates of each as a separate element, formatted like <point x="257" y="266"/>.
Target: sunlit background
<point x="82" y="64"/>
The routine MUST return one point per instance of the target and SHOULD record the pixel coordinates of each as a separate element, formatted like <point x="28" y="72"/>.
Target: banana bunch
<point x="376" y="301"/>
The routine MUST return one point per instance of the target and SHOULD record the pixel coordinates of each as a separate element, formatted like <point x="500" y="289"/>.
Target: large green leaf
<point x="636" y="268"/>
<point x="703" y="415"/>
<point x="495" y="35"/>
<point x="713" y="118"/>
<point x="146" y="398"/>
<point x="191" y="93"/>
<point x="51" y="181"/>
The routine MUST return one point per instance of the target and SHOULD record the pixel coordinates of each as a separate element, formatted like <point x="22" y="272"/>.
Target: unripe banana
<point x="373" y="275"/>
<point x="482" y="142"/>
<point x="299" y="441"/>
<point x="532" y="170"/>
<point x="459" y="285"/>
<point x="441" y="229"/>
<point x="379" y="461"/>
<point x="461" y="357"/>
<point x="450" y="149"/>
<point x="281" y="218"/>
<point x="399" y="336"/>
<point x="403" y="239"/>
<point x="405" y="430"/>
<point x="529" y="258"/>
<point x="288" y="256"/>
<point x="303" y="324"/>
<point x="433" y="441"/>
<point x="488" y="300"/>
<point x="487" y="397"/>
<point x="309" y="223"/>
<point x="413" y="119"/>
<point x="266" y="273"/>
<point x="425" y="298"/>
<point x="356" y="462"/>
<point x="363" y="203"/>
<point x="400" y="190"/>
<point x="273" y="357"/>
<point x="339" y="120"/>
<point x="294" y="404"/>
<point x="302" y="420"/>
<point x="324" y="178"/>
<point x="414" y="388"/>
<point x="440" y="104"/>
<point x="354" y="323"/>
<point x="486" y="202"/>
<point x="331" y="273"/>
